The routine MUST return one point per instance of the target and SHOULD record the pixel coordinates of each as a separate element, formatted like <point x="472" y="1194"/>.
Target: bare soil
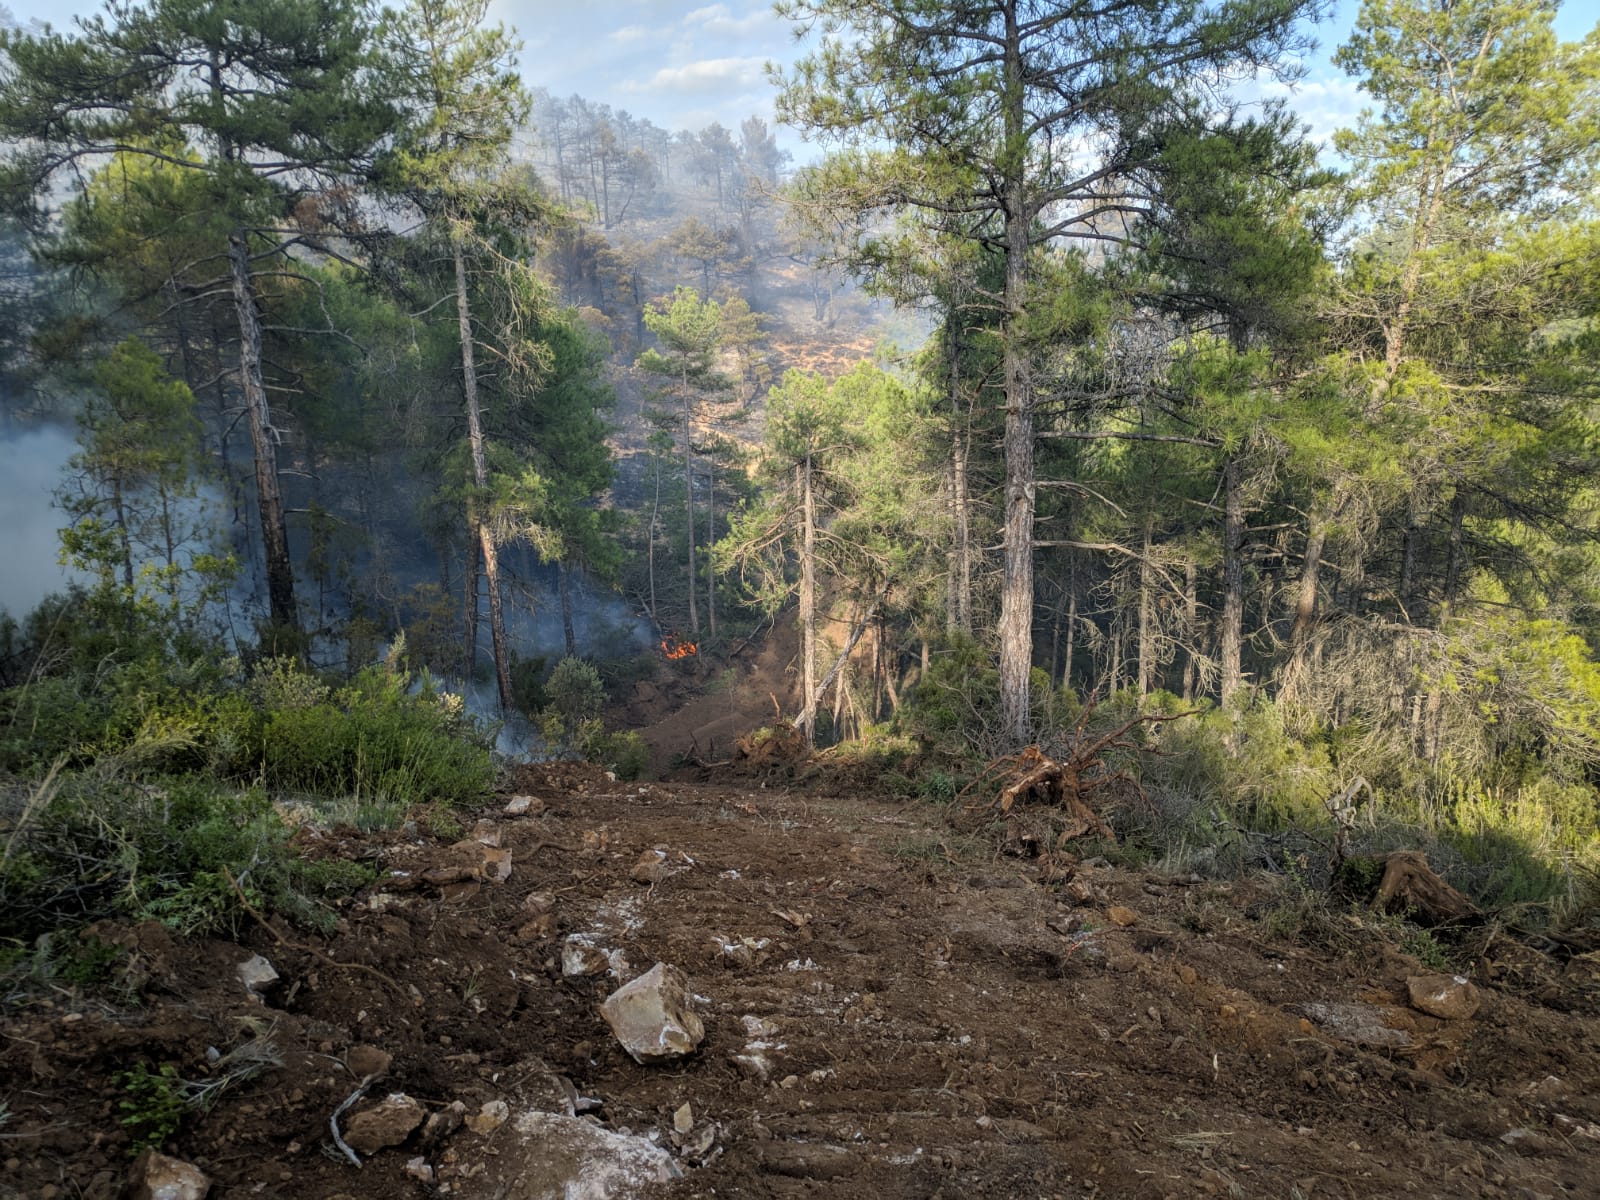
<point x="938" y="1022"/>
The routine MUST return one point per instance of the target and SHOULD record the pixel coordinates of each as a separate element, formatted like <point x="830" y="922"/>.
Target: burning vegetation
<point x="674" y="648"/>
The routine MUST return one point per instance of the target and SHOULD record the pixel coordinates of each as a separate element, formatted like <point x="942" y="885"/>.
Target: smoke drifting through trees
<point x="32" y="462"/>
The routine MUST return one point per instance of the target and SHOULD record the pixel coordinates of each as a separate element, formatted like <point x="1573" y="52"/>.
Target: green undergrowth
<point x="184" y="851"/>
<point x="1227" y="791"/>
<point x="145" y="776"/>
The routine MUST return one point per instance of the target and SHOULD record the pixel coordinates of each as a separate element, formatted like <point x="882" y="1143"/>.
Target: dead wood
<point x="1067" y="783"/>
<point x="1411" y="886"/>
<point x="780" y="744"/>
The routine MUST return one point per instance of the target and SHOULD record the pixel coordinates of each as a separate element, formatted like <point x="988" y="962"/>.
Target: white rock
<point x="1448" y="997"/>
<point x="518" y="805"/>
<point x="580" y="956"/>
<point x="550" y="1156"/>
<point x="157" y="1177"/>
<point x="387" y="1123"/>
<point x="491" y="1116"/>
<point x="257" y="975"/>
<point x="653" y="1016"/>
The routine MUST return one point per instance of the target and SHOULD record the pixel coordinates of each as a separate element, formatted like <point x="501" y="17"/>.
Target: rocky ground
<point x="889" y="1009"/>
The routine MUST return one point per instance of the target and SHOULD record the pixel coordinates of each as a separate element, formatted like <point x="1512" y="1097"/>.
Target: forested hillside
<point x="1064" y="426"/>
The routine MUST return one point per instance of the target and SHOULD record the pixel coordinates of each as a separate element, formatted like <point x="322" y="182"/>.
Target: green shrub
<point x="575" y="691"/>
<point x="624" y="754"/>
<point x="954" y="708"/>
<point x="180" y="852"/>
<point x="379" y="742"/>
<point x="153" y="1107"/>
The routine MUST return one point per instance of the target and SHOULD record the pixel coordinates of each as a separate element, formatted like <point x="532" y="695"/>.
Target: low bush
<point x="188" y="852"/>
<point x="378" y="741"/>
<point x="624" y="754"/>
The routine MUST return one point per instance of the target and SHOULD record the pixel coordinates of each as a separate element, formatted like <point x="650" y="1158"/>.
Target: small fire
<point x="674" y="649"/>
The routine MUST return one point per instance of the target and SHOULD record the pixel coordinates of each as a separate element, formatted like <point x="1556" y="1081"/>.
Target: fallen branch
<point x="333" y="1121"/>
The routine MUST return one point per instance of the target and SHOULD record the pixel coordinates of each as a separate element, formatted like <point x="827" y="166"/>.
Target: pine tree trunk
<point x="1016" y="584"/>
<point x="808" y="601"/>
<point x="124" y="543"/>
<point x="963" y="539"/>
<point x="1147" y="615"/>
<point x="1305" y="607"/>
<point x="1410" y="550"/>
<point x="469" y="647"/>
<point x="1072" y="629"/>
<point x="480" y="480"/>
<point x="1453" y="562"/>
<point x="1191" y="622"/>
<point x="711" y="540"/>
<point x="269" y="498"/>
<point x="688" y="499"/>
<point x="564" y="584"/>
<point x="650" y="548"/>
<point x="1232" y="580"/>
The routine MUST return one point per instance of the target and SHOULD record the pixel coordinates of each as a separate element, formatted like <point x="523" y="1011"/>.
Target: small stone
<point x="418" y="1169"/>
<point x="1359" y="1024"/>
<point x="683" y="1119"/>
<point x="553" y="1155"/>
<point x="496" y="864"/>
<point x="385" y="1124"/>
<point x="156" y="1176"/>
<point x="537" y="929"/>
<point x="651" y="868"/>
<point x="257" y="975"/>
<point x="1448" y="997"/>
<point x="754" y="1064"/>
<point x="581" y="957"/>
<point x="490" y="1117"/>
<point x="1120" y="915"/>
<point x="486" y="832"/>
<point x="1526" y="1141"/>
<point x="653" y="1016"/>
<point x="1570" y="1127"/>
<point x="519" y="806"/>
<point x="1227" y="1012"/>
<point x="1187" y="974"/>
<point x="789" y="1082"/>
<point x="443" y="1123"/>
<point x="367" y="1060"/>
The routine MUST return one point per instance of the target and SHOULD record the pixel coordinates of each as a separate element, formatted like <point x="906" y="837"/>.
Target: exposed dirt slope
<point x="937" y="1027"/>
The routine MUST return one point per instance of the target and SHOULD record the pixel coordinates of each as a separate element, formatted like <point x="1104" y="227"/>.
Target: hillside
<point x="890" y="1008"/>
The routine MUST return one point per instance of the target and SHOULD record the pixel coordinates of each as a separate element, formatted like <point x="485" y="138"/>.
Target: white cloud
<point x="629" y="33"/>
<point x="1323" y="104"/>
<point x="717" y="18"/>
<point x="706" y="75"/>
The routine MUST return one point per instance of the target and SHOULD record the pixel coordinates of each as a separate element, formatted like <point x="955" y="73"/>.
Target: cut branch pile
<point x="1068" y="783"/>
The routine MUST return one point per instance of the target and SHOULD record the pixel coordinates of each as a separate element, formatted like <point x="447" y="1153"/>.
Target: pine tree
<point x="269" y="104"/>
<point x="975" y="102"/>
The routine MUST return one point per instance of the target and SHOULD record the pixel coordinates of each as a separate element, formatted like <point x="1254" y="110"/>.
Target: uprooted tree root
<point x="1068" y="785"/>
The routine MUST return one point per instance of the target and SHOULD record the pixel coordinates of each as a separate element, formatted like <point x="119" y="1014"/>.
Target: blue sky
<point x="685" y="63"/>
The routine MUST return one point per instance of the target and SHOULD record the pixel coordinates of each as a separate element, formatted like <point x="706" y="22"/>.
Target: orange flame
<point x="674" y="649"/>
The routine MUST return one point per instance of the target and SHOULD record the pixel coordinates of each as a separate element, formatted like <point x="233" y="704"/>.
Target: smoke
<point x="31" y="465"/>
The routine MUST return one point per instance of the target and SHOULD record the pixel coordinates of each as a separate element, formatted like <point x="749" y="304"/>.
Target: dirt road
<point x="890" y="1010"/>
